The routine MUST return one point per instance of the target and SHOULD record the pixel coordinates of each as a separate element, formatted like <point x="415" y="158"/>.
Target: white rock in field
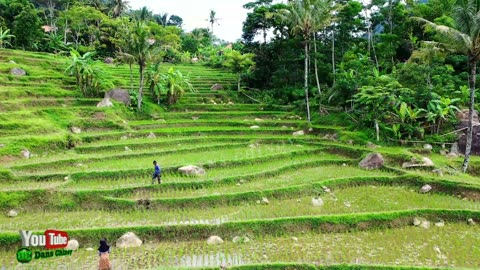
<point x="12" y="213"/>
<point x="123" y="138"/>
<point x="372" y="161"/>
<point x="470" y="221"/>
<point x="326" y="189"/>
<point x="89" y="249"/>
<point x="259" y="120"/>
<point x="72" y="245"/>
<point x="254" y="145"/>
<point x="347" y="204"/>
<point x="195" y="118"/>
<point x="265" y="201"/>
<point x="295" y="239"/>
<point x="128" y="240"/>
<point x="66" y="178"/>
<point x="2" y="145"/>
<point x="25" y="153"/>
<point x="105" y="103"/>
<point x="151" y="135"/>
<point x="254" y="127"/>
<point x="284" y="127"/>
<point x="240" y="239"/>
<point x="425" y="162"/>
<point x="317" y="202"/>
<point x="425" y="189"/>
<point x="417" y="222"/>
<point x="425" y="224"/>
<point x="230" y="103"/>
<point x="214" y="240"/>
<point x="76" y="130"/>
<point x="191" y="170"/>
<point x="440" y="223"/>
<point x="298" y="133"/>
<point x="427" y="146"/>
<point x="127" y="149"/>
<point x="438" y="172"/>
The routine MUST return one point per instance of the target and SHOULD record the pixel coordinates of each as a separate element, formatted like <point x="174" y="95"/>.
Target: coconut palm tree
<point x="305" y="17"/>
<point x="464" y="38"/>
<point x="118" y="7"/>
<point x="4" y="37"/>
<point x="212" y="19"/>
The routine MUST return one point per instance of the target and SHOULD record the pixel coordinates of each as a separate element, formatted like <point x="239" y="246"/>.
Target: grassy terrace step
<point x="25" y="103"/>
<point x="228" y="107"/>
<point x="215" y="123"/>
<point x="224" y="115"/>
<point x="273" y="227"/>
<point x="167" y="160"/>
<point x="363" y="200"/>
<point x="442" y="248"/>
<point x="185" y="131"/>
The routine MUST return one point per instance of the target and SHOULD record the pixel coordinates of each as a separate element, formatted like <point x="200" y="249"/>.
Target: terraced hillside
<point x="277" y="200"/>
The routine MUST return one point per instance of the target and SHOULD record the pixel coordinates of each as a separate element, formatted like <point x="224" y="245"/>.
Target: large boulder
<point x="415" y="163"/>
<point x="72" y="245"/>
<point x="120" y="95"/>
<point x="191" y="170"/>
<point x="214" y="240"/>
<point x="127" y="240"/>
<point x="108" y="60"/>
<point x="216" y="87"/>
<point x="372" y="161"/>
<point x="105" y="103"/>
<point x="18" y="72"/>
<point x="462" y="118"/>
<point x="425" y="188"/>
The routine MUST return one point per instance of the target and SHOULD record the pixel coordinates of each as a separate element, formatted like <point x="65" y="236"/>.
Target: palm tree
<point x="4" y="37"/>
<point x="136" y="41"/>
<point x="305" y="17"/>
<point x="212" y="19"/>
<point x="118" y="7"/>
<point x="464" y="39"/>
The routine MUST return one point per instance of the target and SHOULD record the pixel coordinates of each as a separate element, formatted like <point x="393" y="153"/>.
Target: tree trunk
<point x="468" y="148"/>
<point x="131" y="77"/>
<point x="377" y="131"/>
<point x="315" y="63"/>
<point x="306" y="80"/>
<point x="239" y="81"/>
<point x="333" y="55"/>
<point x="140" y="90"/>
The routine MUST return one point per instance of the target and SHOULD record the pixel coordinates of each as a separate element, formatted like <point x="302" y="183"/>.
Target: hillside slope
<point x="277" y="198"/>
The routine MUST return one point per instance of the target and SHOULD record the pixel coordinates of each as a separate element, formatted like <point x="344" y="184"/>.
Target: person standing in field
<point x="157" y="174"/>
<point x="104" y="252"/>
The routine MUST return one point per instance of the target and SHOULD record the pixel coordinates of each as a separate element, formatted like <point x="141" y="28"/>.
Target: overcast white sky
<point x="196" y="12"/>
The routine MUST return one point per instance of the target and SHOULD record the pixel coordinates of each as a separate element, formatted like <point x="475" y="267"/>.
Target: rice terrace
<point x="175" y="149"/>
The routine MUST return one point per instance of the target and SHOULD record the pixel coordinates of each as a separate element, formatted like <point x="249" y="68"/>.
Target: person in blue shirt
<point x="157" y="174"/>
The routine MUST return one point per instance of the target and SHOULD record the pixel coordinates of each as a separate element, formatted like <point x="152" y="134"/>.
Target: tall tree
<point x="118" y="7"/>
<point x="26" y="28"/>
<point x="212" y="19"/>
<point x="464" y="39"/>
<point x="137" y="42"/>
<point x="304" y="18"/>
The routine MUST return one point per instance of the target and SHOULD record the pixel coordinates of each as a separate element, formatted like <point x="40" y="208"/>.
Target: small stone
<point x="258" y="201"/>
<point x="452" y="155"/>
<point x="317" y="202"/>
<point x="108" y="60"/>
<point x="76" y="130"/>
<point x="151" y="135"/>
<point x="284" y="127"/>
<point x="426" y="188"/>
<point x="438" y="172"/>
<point x="417" y="222"/>
<point x="191" y="170"/>
<point x="105" y="103"/>
<point x="127" y="240"/>
<point x="295" y="239"/>
<point x="253" y="145"/>
<point x="230" y="103"/>
<point x="72" y="245"/>
<point x="350" y="142"/>
<point x="470" y="221"/>
<point x="440" y="223"/>
<point x="89" y="249"/>
<point x="371" y="145"/>
<point x="425" y="224"/>
<point x="18" y="72"/>
<point x="238" y="184"/>
<point x="242" y="181"/>
<point x="259" y="120"/>
<point x="344" y="164"/>
<point x="127" y="149"/>
<point x="254" y="127"/>
<point x="443" y="152"/>
<point x="299" y="201"/>
<point x="194" y="118"/>
<point x="66" y="178"/>
<point x="347" y="204"/>
<point x="265" y="201"/>
<point x="427" y="147"/>
<point x="12" y="213"/>
<point x="310" y="129"/>
<point x="298" y="133"/>
<point x="214" y="240"/>
<point x="25" y="153"/>
<point x="2" y="145"/>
